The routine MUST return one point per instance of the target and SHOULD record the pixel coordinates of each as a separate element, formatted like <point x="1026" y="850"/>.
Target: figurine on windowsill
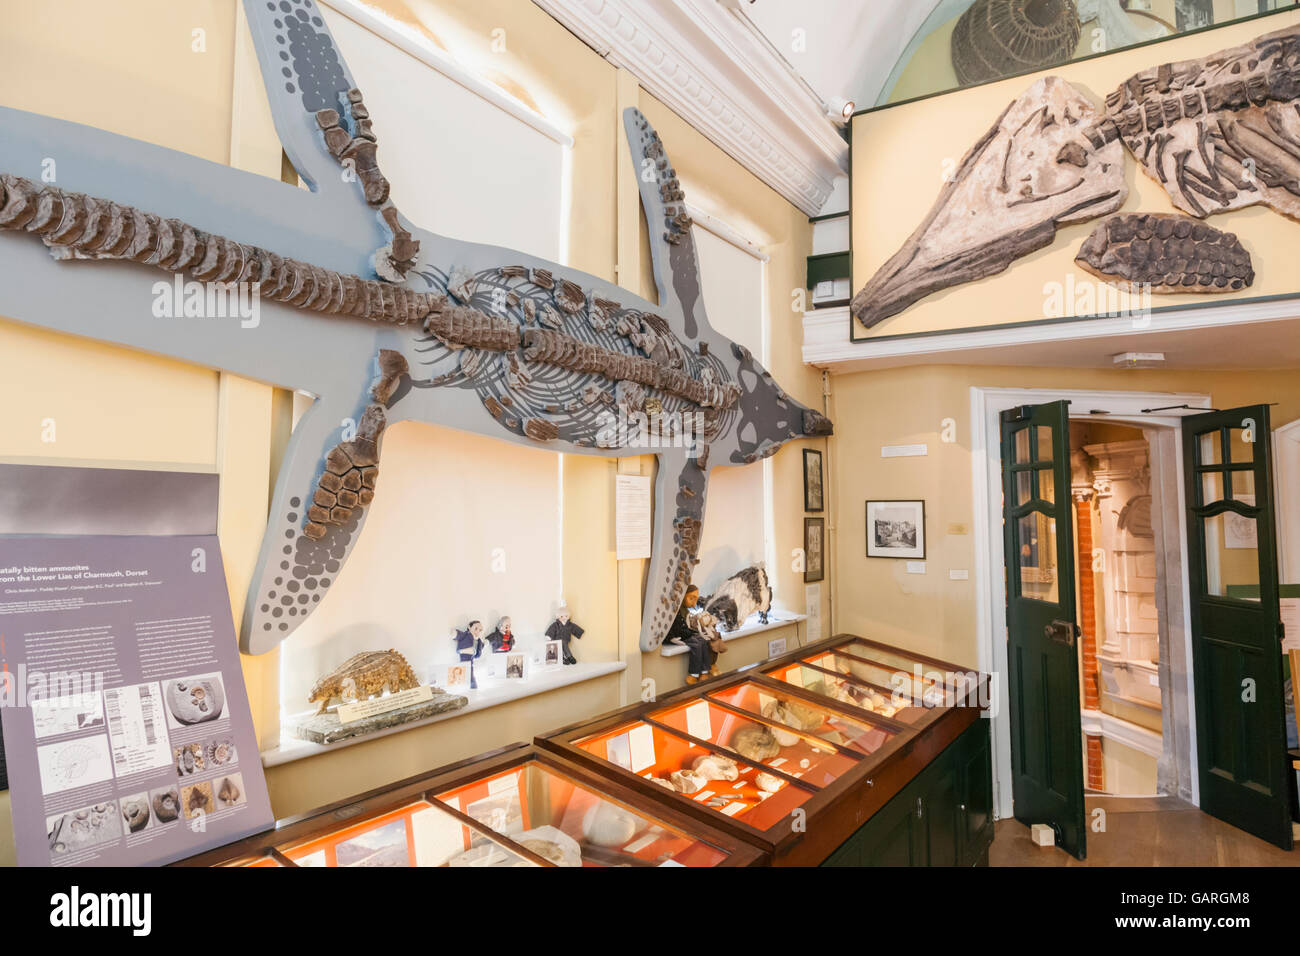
<point x="693" y="629"/>
<point x="502" y="638"/>
<point x="562" y="629"/>
<point x="469" y="644"/>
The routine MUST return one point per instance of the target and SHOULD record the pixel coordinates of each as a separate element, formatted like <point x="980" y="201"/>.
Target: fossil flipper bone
<point x="1030" y="173"/>
<point x="1220" y="132"/>
<point x="1168" y="253"/>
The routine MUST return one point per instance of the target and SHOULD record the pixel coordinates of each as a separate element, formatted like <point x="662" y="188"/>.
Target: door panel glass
<point x="1022" y="447"/>
<point x="1243" y="486"/>
<point x="1047" y="485"/>
<point x="1239" y="449"/>
<point x="1211" y="487"/>
<point x="1036" y="534"/>
<point x="1231" y="556"/>
<point x="1024" y="487"/>
<point x="1210" y="452"/>
<point x="1044" y="444"/>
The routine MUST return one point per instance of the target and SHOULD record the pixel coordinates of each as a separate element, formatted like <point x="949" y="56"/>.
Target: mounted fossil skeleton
<point x="380" y="320"/>
<point x="1218" y="133"/>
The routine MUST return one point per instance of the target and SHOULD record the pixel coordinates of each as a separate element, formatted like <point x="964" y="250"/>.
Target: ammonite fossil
<point x="997" y="38"/>
<point x="166" y="806"/>
<point x="135" y="812"/>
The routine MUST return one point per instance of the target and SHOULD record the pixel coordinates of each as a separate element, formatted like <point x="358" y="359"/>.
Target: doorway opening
<point x="1116" y="583"/>
<point x="1102" y="418"/>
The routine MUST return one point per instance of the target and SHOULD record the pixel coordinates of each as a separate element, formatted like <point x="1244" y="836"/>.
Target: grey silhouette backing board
<point x="380" y="320"/>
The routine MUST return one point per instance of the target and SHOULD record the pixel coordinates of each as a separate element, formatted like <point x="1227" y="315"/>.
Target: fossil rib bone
<point x="1217" y="133"/>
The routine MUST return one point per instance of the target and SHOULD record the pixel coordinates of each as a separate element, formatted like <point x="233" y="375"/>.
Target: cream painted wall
<point x="929" y="612"/>
<point x="1129" y="772"/>
<point x="125" y="409"/>
<point x="901" y="153"/>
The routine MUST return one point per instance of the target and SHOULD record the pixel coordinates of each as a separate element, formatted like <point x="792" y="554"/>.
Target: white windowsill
<point x="492" y="695"/>
<point x="774" y="620"/>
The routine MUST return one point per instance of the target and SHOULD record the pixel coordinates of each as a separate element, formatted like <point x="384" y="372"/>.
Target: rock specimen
<point x="197" y="799"/>
<point x="792" y="714"/>
<point x="767" y="782"/>
<point x="1218" y="133"/>
<point x="997" y="38"/>
<point x="1167" y="253"/>
<point x="755" y="743"/>
<point x="1030" y="173"/>
<point x="716" y="767"/>
<point x="687" y="781"/>
<point x="608" y="825"/>
<point x="196" y="701"/>
<point x="229" y="794"/>
<point x="363" y="676"/>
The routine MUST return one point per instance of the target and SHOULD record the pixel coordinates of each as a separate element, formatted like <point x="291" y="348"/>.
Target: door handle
<point x="1062" y="632"/>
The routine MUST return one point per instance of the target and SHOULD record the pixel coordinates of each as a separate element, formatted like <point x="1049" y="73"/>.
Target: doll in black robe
<point x="562" y="629"/>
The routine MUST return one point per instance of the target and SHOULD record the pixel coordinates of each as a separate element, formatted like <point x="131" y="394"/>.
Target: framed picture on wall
<point x="812" y="480"/>
<point x="814" y="549"/>
<point x="896" y="529"/>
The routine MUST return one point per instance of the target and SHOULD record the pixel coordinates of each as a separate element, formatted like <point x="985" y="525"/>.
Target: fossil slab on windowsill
<point x="328" y="729"/>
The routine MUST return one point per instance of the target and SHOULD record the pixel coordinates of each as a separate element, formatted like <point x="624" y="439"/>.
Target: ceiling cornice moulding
<point x="710" y="66"/>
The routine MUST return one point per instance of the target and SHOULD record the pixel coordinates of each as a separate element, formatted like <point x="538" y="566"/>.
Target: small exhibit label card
<point x="904" y="451"/>
<point x="361" y="709"/>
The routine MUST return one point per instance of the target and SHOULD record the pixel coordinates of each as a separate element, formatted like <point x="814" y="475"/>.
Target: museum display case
<point x="518" y="806"/>
<point x="797" y="757"/>
<point x="868" y="676"/>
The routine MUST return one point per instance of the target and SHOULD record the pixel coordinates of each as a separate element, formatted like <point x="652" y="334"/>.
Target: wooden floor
<point x="1144" y="831"/>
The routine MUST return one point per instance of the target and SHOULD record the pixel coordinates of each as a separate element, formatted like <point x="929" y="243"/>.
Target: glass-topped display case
<point x="902" y="686"/>
<point x="516" y="807"/>
<point x="827" y="732"/>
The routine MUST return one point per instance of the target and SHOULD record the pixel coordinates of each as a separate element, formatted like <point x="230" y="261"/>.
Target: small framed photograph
<point x="813" y="499"/>
<point x="814" y="549"/>
<point x="553" y="653"/>
<point x="516" y="666"/>
<point x="896" y="529"/>
<point x="457" y="675"/>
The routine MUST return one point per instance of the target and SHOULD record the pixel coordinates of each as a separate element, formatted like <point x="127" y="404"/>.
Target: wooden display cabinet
<point x="518" y="806"/>
<point x="850" y="736"/>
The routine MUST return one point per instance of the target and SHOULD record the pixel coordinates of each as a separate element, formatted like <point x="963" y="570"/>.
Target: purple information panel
<point x="126" y="724"/>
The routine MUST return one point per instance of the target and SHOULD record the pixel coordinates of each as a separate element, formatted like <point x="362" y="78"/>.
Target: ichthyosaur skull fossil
<point x="1217" y="133"/>
<point x="380" y="320"/>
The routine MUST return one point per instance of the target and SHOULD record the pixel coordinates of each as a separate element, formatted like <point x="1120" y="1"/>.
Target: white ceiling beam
<point x="711" y="66"/>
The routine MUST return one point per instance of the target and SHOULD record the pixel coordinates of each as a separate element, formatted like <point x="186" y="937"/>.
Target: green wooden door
<point x="1236" y="624"/>
<point x="1042" y="624"/>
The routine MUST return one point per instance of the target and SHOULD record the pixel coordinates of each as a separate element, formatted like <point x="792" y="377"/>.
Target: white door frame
<point x="1286" y="458"/>
<point x="990" y="567"/>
